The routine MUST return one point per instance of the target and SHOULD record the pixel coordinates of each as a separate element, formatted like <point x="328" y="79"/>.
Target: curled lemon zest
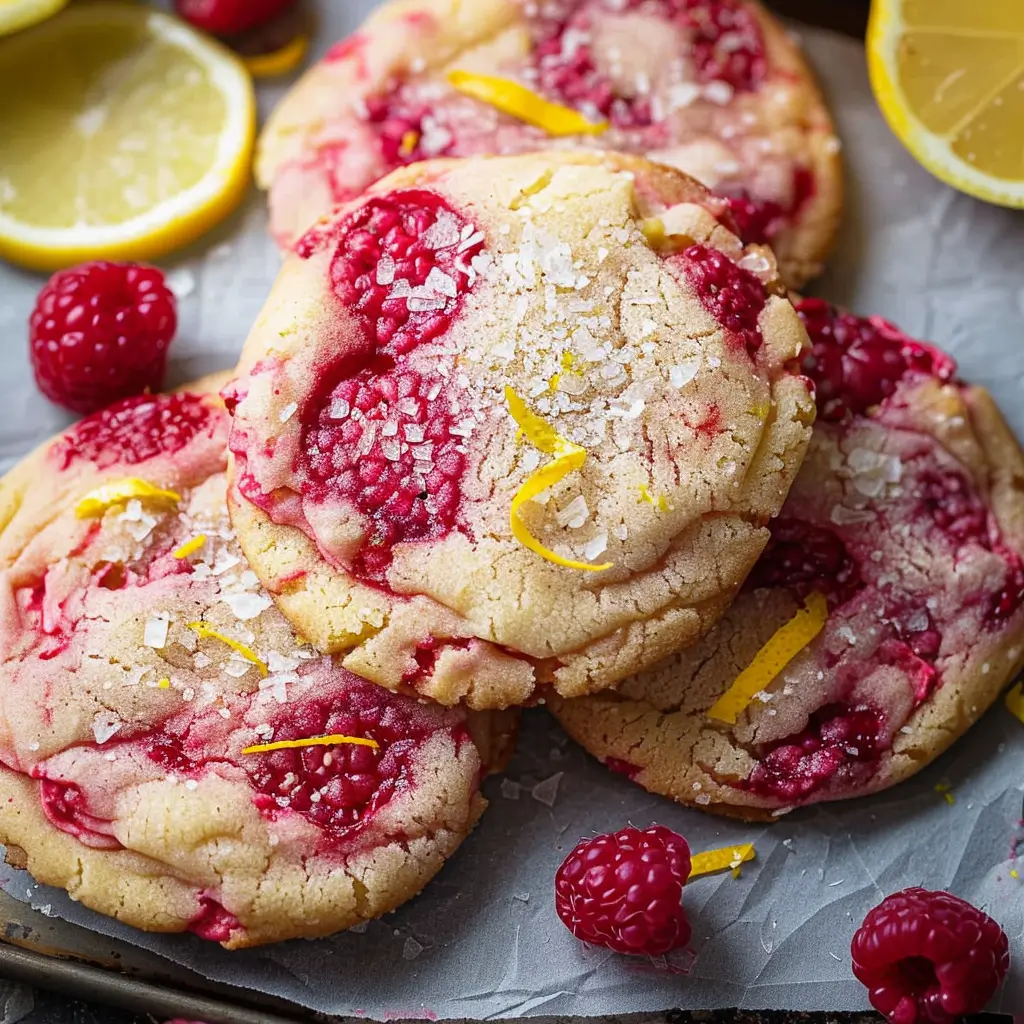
<point x="512" y="98"/>
<point x="777" y="653"/>
<point x="190" y="547"/>
<point x="204" y="632"/>
<point x="279" y="62"/>
<point x="96" y="503"/>
<point x="728" y="857"/>
<point x="568" y="458"/>
<point x="313" y="741"/>
<point x="1015" y="701"/>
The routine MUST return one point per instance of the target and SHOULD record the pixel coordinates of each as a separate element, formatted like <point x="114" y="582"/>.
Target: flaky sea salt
<point x="154" y="633"/>
<point x="104" y="725"/>
<point x="247" y="606"/>
<point x="546" y="792"/>
<point x="575" y="514"/>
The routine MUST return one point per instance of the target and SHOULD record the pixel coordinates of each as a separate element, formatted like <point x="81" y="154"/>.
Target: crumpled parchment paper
<point x="483" y="940"/>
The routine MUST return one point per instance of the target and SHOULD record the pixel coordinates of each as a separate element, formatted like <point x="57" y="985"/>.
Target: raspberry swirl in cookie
<point x="170" y="751"/>
<point x="883" y="619"/>
<point x="714" y="87"/>
<point x="516" y="423"/>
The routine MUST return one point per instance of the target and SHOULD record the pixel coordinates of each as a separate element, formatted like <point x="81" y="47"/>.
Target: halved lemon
<point x="18" y="14"/>
<point x="949" y="77"/>
<point x="124" y="134"/>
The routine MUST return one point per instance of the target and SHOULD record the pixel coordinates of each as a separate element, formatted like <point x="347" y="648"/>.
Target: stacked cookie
<point x="533" y="426"/>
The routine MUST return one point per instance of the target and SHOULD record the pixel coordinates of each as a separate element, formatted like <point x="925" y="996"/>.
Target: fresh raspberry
<point x="732" y="295"/>
<point x="624" y="890"/>
<point x="929" y="957"/>
<point x="836" y="736"/>
<point x="857" y="362"/>
<point x="100" y="332"/>
<point x="134" y="430"/>
<point x="229" y="17"/>
<point x="806" y="558"/>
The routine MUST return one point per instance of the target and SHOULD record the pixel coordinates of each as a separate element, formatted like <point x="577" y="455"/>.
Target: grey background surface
<point x="483" y="940"/>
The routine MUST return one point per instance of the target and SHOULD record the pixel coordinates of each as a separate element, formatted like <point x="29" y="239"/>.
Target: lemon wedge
<point x="125" y="134"/>
<point x="17" y="14"/>
<point x="949" y="77"/>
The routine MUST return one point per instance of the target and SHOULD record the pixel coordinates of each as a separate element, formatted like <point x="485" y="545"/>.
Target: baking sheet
<point x="483" y="941"/>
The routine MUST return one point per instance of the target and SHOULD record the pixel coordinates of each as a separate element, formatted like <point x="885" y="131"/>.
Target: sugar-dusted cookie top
<point x="714" y="87"/>
<point x="171" y="752"/>
<point x="517" y="422"/>
<point x="882" y="621"/>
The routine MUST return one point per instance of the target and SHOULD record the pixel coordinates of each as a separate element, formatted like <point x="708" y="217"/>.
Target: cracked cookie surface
<point x="575" y="330"/>
<point x="908" y="519"/>
<point x="142" y="662"/>
<point x="714" y="87"/>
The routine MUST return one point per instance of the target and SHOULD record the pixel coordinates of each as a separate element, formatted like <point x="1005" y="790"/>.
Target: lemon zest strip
<point x="719" y="860"/>
<point x="190" y="547"/>
<point x="512" y="98"/>
<point x="313" y="741"/>
<point x="945" y="790"/>
<point x="96" y="502"/>
<point x="204" y="632"/>
<point x="280" y="61"/>
<point x="777" y="653"/>
<point x="1015" y="701"/>
<point x="409" y="142"/>
<point x="568" y="458"/>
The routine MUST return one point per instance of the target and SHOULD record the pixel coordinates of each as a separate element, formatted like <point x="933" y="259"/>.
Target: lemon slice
<point x="16" y="14"/>
<point x="949" y="77"/>
<point x="125" y="134"/>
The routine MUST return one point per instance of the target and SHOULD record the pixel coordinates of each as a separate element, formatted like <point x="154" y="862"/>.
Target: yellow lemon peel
<point x="204" y="632"/>
<point x="660" y="503"/>
<point x="313" y="741"/>
<point x="409" y="142"/>
<point x="945" y="790"/>
<point x="280" y="61"/>
<point x="568" y="458"/>
<point x="1015" y="701"/>
<point x="96" y="503"/>
<point x="719" y="860"/>
<point x="164" y="684"/>
<point x="190" y="547"/>
<point x="516" y="100"/>
<point x="777" y="653"/>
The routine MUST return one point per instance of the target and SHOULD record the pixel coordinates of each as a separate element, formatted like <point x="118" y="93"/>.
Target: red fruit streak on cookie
<point x="620" y="767"/>
<point x="214" y="922"/>
<point x="760" y="220"/>
<point x="65" y="806"/>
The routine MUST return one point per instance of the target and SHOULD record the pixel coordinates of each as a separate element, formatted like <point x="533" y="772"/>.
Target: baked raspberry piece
<point x="930" y="957"/>
<point x="229" y="17"/>
<point x="732" y="295"/>
<point x="856" y="362"/>
<point x="624" y="890"/>
<point x="100" y="332"/>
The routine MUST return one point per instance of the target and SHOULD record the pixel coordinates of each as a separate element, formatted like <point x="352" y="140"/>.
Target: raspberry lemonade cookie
<point x="170" y="752"/>
<point x="515" y="422"/>
<point x="883" y="619"/>
<point x="713" y="87"/>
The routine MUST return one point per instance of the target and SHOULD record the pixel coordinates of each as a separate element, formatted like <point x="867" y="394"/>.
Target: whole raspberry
<point x="229" y="17"/>
<point x="100" y="332"/>
<point x="624" y="890"/>
<point x="929" y="956"/>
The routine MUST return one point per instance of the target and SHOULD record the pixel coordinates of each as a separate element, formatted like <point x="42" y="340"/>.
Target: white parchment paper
<point x="483" y="941"/>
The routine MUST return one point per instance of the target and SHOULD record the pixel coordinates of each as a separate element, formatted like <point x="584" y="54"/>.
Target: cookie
<point x="901" y="542"/>
<point x="714" y="87"/>
<point x="514" y="423"/>
<point x="171" y="753"/>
